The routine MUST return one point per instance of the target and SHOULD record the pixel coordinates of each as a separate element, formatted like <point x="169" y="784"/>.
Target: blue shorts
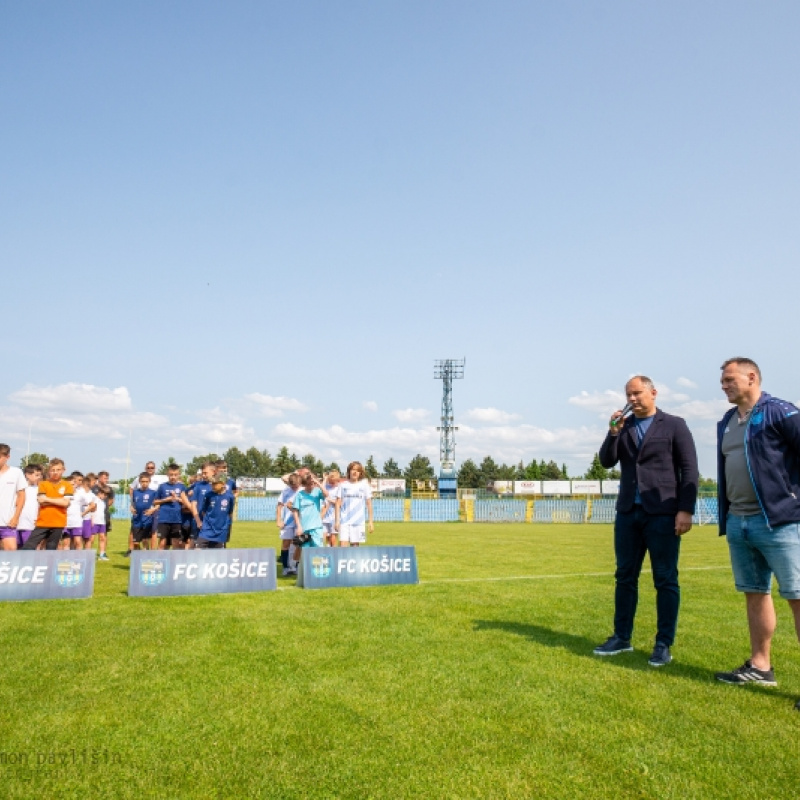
<point x="758" y="552"/>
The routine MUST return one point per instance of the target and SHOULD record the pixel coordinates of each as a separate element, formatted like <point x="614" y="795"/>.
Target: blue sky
<point x="255" y="223"/>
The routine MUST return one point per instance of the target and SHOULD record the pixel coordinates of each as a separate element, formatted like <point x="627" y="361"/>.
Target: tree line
<point x="255" y="463"/>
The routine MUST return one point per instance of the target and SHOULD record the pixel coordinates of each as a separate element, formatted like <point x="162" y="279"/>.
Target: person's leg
<point x="664" y="548"/>
<point x="8" y="538"/>
<point x="761" y="622"/>
<point x="37" y="536"/>
<point x="629" y="550"/>
<point x="53" y="538"/>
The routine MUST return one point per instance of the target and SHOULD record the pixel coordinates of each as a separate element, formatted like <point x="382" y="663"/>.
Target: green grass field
<point x="478" y="683"/>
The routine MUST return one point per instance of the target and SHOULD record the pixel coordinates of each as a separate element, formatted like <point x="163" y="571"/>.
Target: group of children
<point x="52" y="512"/>
<point x="41" y="508"/>
<point x="332" y="512"/>
<point x="172" y="514"/>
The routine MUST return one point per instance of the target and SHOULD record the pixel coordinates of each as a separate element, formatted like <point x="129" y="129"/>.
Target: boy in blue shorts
<point x="142" y="511"/>
<point x="169" y="504"/>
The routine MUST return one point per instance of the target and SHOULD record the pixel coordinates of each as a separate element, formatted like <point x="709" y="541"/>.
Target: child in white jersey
<point x="30" y="508"/>
<point x="332" y="481"/>
<point x="354" y="507"/>
<point x="99" y="521"/>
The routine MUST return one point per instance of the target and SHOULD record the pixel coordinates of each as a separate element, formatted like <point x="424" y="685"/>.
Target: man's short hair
<point x="100" y="474"/>
<point x="31" y="468"/>
<point x="76" y="474"/>
<point x="173" y="467"/>
<point x="221" y="463"/>
<point x="144" y="475"/>
<point x="5" y="450"/>
<point x="55" y="462"/>
<point x="747" y="363"/>
<point x="648" y="382"/>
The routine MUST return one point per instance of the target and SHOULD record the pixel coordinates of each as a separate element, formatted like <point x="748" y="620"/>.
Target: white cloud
<point x="699" y="409"/>
<point x="411" y="414"/>
<point x="370" y="405"/>
<point x="79" y="397"/>
<point x="603" y="402"/>
<point x="193" y="437"/>
<point x="269" y="406"/>
<point x="686" y="383"/>
<point x="491" y="415"/>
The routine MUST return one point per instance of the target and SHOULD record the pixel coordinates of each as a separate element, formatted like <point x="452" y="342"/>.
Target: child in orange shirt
<point x="54" y="498"/>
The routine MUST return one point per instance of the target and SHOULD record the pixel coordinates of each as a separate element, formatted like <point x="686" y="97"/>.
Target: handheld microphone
<point x="626" y="410"/>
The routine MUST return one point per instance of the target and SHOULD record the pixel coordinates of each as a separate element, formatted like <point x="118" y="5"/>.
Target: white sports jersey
<point x="155" y="482"/>
<point x="333" y="494"/>
<point x="74" y="509"/>
<point x="354" y="498"/>
<point x="287" y="495"/>
<point x="30" y="511"/>
<point x="12" y="481"/>
<point x="99" y="514"/>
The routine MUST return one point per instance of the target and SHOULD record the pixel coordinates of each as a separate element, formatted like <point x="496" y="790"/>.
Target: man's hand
<point x="616" y="423"/>
<point x="683" y="523"/>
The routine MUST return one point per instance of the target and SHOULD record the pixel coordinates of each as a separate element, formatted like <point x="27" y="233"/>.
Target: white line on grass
<point x="551" y="577"/>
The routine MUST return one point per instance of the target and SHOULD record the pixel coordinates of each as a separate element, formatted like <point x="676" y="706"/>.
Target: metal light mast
<point x="447" y="370"/>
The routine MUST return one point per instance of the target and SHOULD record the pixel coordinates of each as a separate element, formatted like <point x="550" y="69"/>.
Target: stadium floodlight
<point x="447" y="370"/>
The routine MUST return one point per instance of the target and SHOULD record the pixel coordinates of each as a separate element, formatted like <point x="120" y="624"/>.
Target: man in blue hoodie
<point x="758" y="458"/>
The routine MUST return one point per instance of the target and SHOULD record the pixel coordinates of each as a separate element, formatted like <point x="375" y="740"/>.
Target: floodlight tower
<point x="447" y="370"/>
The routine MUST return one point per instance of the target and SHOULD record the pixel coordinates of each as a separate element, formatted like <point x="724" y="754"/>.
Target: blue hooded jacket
<point x="772" y="451"/>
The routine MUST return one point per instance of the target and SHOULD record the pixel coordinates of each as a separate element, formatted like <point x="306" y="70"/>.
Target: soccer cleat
<point x="613" y="646"/>
<point x="127" y="554"/>
<point x="661" y="655"/>
<point x="103" y="557"/>
<point x="747" y="673"/>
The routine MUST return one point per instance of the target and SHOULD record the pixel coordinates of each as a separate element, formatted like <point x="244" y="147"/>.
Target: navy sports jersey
<point x="142" y="500"/>
<point x="201" y="489"/>
<point x="170" y="512"/>
<point x="216" y="514"/>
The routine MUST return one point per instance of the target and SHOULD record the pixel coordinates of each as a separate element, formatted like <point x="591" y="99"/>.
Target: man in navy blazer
<point x="657" y="495"/>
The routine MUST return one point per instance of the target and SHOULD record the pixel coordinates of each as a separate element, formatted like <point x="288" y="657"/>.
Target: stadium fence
<point x="595" y="509"/>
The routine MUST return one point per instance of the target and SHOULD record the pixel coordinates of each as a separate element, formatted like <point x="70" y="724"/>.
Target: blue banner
<point x="46" y="574"/>
<point x="336" y="567"/>
<point x="156" y="573"/>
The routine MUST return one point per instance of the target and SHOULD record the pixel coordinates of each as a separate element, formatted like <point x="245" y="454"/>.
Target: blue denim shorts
<point x="758" y="552"/>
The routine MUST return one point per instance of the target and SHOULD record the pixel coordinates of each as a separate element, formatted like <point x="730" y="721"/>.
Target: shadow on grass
<point x="581" y="646"/>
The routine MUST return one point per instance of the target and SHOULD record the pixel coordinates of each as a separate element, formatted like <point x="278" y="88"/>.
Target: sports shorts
<point x="355" y="534"/>
<point x="141" y="533"/>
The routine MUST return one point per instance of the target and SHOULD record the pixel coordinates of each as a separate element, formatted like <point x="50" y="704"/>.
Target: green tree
<point x="506" y="472"/>
<point x="707" y="485"/>
<point x="333" y="466"/>
<point x="370" y="469"/>
<point x="551" y="471"/>
<point x="391" y="469"/>
<point x="197" y="462"/>
<point x="596" y="472"/>
<point x="309" y="461"/>
<point x="564" y="473"/>
<point x="285" y="462"/>
<point x="532" y="472"/>
<point x="488" y="470"/>
<point x="419" y="469"/>
<point x="162" y="470"/>
<point x="469" y="476"/>
<point x="35" y="458"/>
<point x="259" y="463"/>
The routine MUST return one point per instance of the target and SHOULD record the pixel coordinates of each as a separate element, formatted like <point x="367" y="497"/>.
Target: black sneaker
<point x="747" y="673"/>
<point x="661" y="655"/>
<point x="128" y="554"/>
<point x="613" y="646"/>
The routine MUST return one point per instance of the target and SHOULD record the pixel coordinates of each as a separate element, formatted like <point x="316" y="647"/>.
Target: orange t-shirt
<point x="53" y="516"/>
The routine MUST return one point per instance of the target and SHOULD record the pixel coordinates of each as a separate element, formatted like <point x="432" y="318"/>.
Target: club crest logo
<point x="321" y="566"/>
<point x="757" y="418"/>
<point x="69" y="574"/>
<point x="153" y="572"/>
<point x="224" y="504"/>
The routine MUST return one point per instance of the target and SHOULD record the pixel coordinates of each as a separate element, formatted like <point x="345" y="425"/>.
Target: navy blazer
<point x="664" y="467"/>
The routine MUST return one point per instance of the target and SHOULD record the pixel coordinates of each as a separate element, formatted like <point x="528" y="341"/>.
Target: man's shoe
<point x="613" y="646"/>
<point x="103" y="557"/>
<point x="127" y="554"/>
<point x="661" y="655"/>
<point x="747" y="673"/>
